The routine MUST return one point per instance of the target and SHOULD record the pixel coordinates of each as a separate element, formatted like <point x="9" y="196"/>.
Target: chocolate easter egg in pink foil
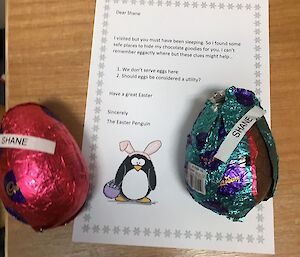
<point x="37" y="187"/>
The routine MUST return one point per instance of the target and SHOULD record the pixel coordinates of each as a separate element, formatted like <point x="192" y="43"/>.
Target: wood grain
<point x="48" y="54"/>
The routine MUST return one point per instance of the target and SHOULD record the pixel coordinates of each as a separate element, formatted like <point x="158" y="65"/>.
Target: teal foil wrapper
<point x="229" y="188"/>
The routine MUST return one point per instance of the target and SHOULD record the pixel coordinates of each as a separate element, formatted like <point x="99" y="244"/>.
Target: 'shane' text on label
<point x="14" y="141"/>
<point x="243" y="124"/>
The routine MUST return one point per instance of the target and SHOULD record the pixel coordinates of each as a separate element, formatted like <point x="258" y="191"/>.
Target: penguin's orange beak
<point x="137" y="167"/>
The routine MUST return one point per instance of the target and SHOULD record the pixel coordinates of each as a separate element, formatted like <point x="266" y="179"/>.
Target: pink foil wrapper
<point x="41" y="189"/>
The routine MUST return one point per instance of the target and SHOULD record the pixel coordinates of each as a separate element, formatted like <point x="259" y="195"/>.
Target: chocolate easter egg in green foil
<point x="231" y="160"/>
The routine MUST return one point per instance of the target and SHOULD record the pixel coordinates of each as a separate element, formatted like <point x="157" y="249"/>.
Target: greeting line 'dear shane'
<point x="231" y="159"/>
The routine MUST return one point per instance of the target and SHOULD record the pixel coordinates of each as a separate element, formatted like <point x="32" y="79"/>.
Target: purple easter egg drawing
<point x="110" y="190"/>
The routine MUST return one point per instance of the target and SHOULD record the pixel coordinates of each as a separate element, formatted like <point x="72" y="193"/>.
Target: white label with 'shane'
<point x="27" y="142"/>
<point x="237" y="133"/>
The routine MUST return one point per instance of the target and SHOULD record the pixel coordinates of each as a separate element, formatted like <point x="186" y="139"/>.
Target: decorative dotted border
<point x="157" y="232"/>
<point x="146" y="232"/>
<point x="189" y="4"/>
<point x="258" y="74"/>
<point x="257" y="48"/>
<point x="98" y="105"/>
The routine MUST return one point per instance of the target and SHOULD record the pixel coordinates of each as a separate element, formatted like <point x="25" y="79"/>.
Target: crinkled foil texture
<point x="37" y="188"/>
<point x="231" y="186"/>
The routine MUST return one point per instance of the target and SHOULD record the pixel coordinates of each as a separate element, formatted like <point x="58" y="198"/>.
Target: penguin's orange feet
<point x="121" y="198"/>
<point x="144" y="200"/>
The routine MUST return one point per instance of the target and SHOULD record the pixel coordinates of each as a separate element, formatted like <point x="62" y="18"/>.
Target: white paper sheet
<point x="153" y="65"/>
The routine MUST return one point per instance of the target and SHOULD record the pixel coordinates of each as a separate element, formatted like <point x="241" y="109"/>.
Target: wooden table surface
<point x="48" y="56"/>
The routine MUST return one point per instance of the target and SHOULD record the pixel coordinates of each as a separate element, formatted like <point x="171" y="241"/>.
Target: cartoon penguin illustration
<point x="136" y="176"/>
